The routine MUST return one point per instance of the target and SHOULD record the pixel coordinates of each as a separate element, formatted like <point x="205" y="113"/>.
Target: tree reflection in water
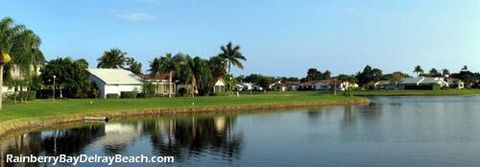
<point x="183" y="138"/>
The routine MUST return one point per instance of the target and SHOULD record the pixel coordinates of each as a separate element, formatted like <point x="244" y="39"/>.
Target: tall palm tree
<point x="418" y="69"/>
<point x="165" y="64"/>
<point x="6" y="35"/>
<point x="114" y="58"/>
<point x="233" y="56"/>
<point x="194" y="69"/>
<point x="26" y="56"/>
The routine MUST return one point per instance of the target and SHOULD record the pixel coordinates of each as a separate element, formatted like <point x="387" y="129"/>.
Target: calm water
<point x="392" y="131"/>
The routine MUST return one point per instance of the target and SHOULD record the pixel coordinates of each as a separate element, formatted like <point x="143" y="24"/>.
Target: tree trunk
<point x="229" y="67"/>
<point x="170" y="84"/>
<point x="194" y="85"/>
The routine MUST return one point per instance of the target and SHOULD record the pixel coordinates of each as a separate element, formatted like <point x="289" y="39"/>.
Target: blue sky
<point x="280" y="38"/>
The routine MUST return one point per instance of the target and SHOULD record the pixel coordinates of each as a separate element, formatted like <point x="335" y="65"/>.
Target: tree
<point x="134" y="66"/>
<point x="114" y="58"/>
<point x="203" y="76"/>
<point x="24" y="47"/>
<point x="195" y="70"/>
<point x="6" y="34"/>
<point x="217" y="67"/>
<point x="166" y="64"/>
<point x="233" y="56"/>
<point x="434" y="73"/>
<point x="313" y="74"/>
<point x="71" y="76"/>
<point x="369" y="75"/>
<point x="418" y="69"/>
<point x="445" y="72"/>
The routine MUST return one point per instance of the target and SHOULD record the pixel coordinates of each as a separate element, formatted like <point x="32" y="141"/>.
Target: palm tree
<point x="434" y="73"/>
<point x="165" y="64"/>
<point x="134" y="66"/>
<point x="445" y="72"/>
<point x="6" y="35"/>
<point x="232" y="55"/>
<point x="114" y="58"/>
<point x="26" y="56"/>
<point x="418" y="69"/>
<point x="195" y="69"/>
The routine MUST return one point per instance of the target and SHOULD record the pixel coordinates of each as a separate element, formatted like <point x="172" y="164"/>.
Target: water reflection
<point x="179" y="137"/>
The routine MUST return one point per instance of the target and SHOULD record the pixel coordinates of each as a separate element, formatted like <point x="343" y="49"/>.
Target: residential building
<point x="278" y="86"/>
<point x="292" y="85"/>
<point x="114" y="81"/>
<point x="162" y="84"/>
<point x="219" y="86"/>
<point x="423" y="83"/>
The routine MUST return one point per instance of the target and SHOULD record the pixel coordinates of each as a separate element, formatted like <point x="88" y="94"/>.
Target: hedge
<point x="112" y="96"/>
<point x="128" y="94"/>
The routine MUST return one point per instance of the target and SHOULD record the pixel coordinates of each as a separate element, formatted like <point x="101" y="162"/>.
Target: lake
<point x="391" y="131"/>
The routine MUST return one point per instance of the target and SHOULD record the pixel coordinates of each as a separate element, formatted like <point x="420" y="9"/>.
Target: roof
<point x="115" y="76"/>
<point x="423" y="80"/>
<point x="156" y="76"/>
<point x="291" y="83"/>
<point x="308" y="83"/>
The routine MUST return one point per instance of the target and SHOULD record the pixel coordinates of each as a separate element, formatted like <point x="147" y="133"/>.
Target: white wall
<point x="117" y="89"/>
<point x="112" y="89"/>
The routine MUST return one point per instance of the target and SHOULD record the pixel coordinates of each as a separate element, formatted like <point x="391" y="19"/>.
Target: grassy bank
<point x="450" y="92"/>
<point x="48" y="112"/>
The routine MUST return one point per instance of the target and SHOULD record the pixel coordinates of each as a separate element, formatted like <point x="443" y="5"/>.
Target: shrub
<point x="31" y="95"/>
<point x="112" y="96"/>
<point x="221" y="94"/>
<point x="182" y="92"/>
<point x="148" y="89"/>
<point x="436" y="87"/>
<point x="128" y="94"/>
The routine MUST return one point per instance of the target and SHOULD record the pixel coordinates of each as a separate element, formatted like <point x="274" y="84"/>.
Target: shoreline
<point x="8" y="127"/>
<point x="428" y="93"/>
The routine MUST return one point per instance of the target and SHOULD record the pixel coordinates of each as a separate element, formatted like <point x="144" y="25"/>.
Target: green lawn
<point x="450" y="92"/>
<point x="45" y="109"/>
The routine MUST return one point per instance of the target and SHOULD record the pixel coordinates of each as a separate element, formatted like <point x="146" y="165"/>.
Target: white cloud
<point x="136" y="16"/>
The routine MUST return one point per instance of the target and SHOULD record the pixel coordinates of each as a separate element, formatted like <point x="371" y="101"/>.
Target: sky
<point x="278" y="37"/>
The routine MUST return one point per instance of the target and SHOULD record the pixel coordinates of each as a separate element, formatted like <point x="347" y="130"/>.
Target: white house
<point x="114" y="81"/>
<point x="425" y="83"/>
<point x="321" y="85"/>
<point x="278" y="86"/>
<point x="346" y="85"/>
<point x="219" y="86"/>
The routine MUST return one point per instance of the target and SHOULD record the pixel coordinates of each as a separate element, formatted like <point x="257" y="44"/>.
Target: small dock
<point x="96" y="119"/>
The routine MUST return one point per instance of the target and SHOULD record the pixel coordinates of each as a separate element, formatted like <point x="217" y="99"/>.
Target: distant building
<point x="455" y="83"/>
<point x="219" y="86"/>
<point x="243" y="86"/>
<point x="278" y="86"/>
<point x="161" y="82"/>
<point x="307" y="85"/>
<point x="423" y="83"/>
<point x="322" y="85"/>
<point x="386" y="85"/>
<point x="291" y="85"/>
<point x="343" y="86"/>
<point x="114" y="81"/>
